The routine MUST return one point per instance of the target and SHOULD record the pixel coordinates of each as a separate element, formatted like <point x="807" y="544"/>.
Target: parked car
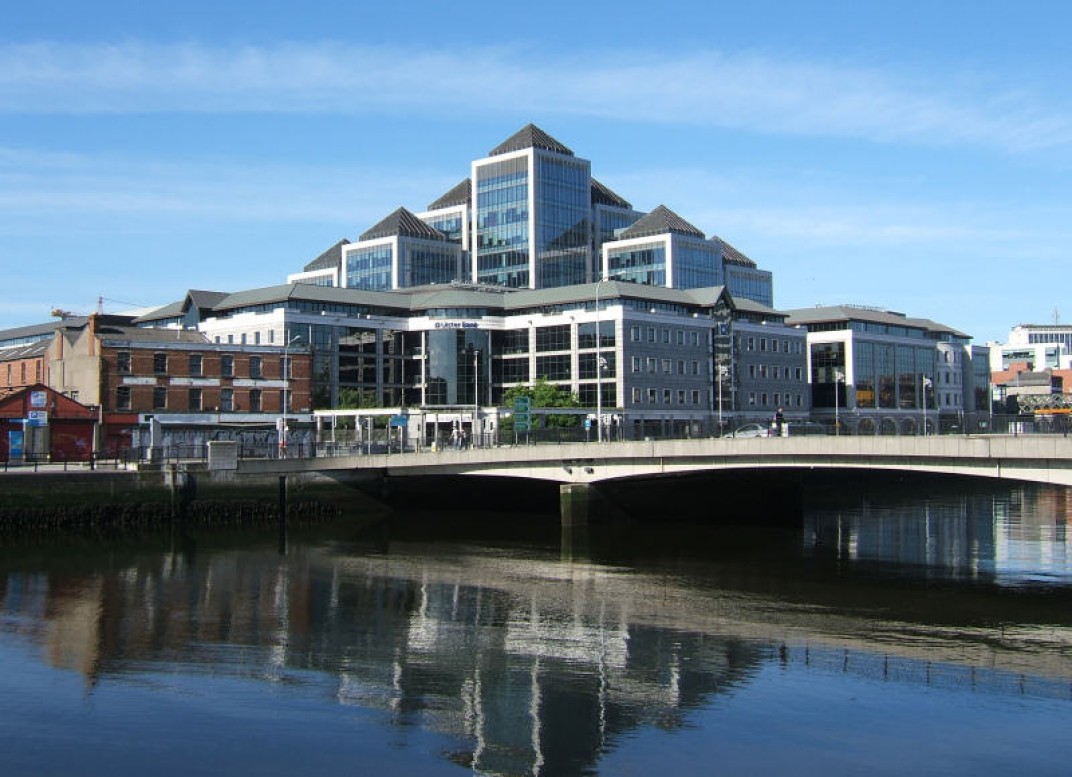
<point x="751" y="430"/>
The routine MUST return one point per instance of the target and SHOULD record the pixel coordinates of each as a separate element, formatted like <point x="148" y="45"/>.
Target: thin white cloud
<point x="749" y="92"/>
<point x="845" y="215"/>
<point x="120" y="193"/>
<point x="35" y="186"/>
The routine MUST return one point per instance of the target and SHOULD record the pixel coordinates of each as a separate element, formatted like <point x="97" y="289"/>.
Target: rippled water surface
<point x="890" y="632"/>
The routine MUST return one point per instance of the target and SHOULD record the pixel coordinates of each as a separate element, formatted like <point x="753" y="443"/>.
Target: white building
<point x="1041" y="346"/>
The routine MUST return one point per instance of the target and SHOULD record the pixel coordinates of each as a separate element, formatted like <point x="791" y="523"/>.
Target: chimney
<point x="92" y="329"/>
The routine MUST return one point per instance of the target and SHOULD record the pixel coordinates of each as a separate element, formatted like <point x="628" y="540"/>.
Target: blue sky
<point x="913" y="155"/>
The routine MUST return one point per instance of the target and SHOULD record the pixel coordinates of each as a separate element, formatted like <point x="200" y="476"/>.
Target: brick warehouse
<point x="44" y="424"/>
<point x="177" y="376"/>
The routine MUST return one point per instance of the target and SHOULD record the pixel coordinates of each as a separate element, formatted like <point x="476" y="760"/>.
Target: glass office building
<point x="531" y="216"/>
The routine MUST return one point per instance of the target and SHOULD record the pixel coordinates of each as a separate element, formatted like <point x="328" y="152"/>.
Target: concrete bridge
<point x="1031" y="458"/>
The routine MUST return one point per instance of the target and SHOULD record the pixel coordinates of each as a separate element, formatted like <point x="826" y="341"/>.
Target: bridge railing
<point x="389" y="440"/>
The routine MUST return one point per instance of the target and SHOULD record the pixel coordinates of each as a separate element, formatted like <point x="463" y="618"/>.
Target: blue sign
<point x="15" y="445"/>
<point x="398" y="420"/>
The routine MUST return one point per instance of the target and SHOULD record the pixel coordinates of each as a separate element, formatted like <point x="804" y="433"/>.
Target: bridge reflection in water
<point x="538" y="664"/>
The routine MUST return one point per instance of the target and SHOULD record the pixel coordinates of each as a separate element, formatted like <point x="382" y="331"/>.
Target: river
<point x="893" y="630"/>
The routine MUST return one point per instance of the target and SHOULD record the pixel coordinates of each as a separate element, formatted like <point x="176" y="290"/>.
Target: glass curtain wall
<point x="887" y="393"/>
<point x="639" y="264"/>
<point x="697" y="265"/>
<point x="907" y="380"/>
<point x="357" y="364"/>
<point x="864" y="378"/>
<point x="827" y="359"/>
<point x="925" y="366"/>
<point x="563" y="212"/>
<point x="457" y="364"/>
<point x="607" y="221"/>
<point x="502" y="223"/>
<point x="751" y="284"/>
<point x="421" y="264"/>
<point x="369" y="268"/>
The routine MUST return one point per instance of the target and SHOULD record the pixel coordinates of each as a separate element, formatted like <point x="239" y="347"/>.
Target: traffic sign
<point x="522" y="413"/>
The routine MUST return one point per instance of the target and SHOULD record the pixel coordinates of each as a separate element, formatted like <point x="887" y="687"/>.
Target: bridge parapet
<point x="1037" y="458"/>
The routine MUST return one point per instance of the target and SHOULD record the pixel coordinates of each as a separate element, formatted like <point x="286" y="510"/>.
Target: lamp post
<point x="926" y="383"/>
<point x="286" y="384"/>
<point x="723" y="371"/>
<point x="838" y="377"/>
<point x="476" y="391"/>
<point x="599" y="368"/>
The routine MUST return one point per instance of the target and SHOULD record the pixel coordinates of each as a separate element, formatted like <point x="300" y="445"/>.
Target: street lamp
<point x="476" y="391"/>
<point x="723" y="371"/>
<point x="599" y="368"/>
<point x="926" y="382"/>
<point x="838" y="377"/>
<point x="286" y="384"/>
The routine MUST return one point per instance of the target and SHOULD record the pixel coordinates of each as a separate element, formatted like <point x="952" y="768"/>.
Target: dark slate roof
<point x="845" y="313"/>
<point x="42" y="331"/>
<point x="496" y="300"/>
<point x="733" y="256"/>
<point x="280" y="295"/>
<point x="28" y="351"/>
<point x="170" y="310"/>
<point x="328" y="260"/>
<point x="402" y="222"/>
<point x="530" y="136"/>
<point x="462" y="194"/>
<point x="601" y="195"/>
<point x="659" y="222"/>
<point x="204" y="301"/>
<point x="135" y="334"/>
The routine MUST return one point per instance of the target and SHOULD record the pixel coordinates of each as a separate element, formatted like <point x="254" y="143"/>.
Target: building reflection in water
<point x="1007" y="536"/>
<point x="534" y="664"/>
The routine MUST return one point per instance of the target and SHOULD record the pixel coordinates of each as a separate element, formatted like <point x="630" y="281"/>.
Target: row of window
<point x="244" y="338"/>
<point x="194" y="400"/>
<point x="774" y="372"/>
<point x="668" y="396"/>
<point x="23" y="373"/>
<point x="666" y="336"/>
<point x="195" y="364"/>
<point x="774" y="345"/>
<point x="760" y="399"/>
<point x="683" y="367"/>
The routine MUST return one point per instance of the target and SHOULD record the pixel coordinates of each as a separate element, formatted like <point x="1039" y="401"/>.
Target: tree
<point x="545" y="394"/>
<point x="356" y="399"/>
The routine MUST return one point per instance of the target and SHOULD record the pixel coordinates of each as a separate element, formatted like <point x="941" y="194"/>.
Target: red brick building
<point x="174" y="375"/>
<point x="23" y="365"/>
<point x="47" y="424"/>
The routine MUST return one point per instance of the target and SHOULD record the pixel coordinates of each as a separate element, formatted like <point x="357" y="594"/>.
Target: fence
<point x="349" y="442"/>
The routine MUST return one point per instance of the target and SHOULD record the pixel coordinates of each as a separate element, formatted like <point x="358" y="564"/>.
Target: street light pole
<point x="599" y="367"/>
<point x="926" y="383"/>
<point x="723" y="370"/>
<point x="838" y="377"/>
<point x="476" y="391"/>
<point x="286" y="384"/>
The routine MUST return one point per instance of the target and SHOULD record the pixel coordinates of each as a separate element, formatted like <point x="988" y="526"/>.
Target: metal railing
<point x="387" y="440"/>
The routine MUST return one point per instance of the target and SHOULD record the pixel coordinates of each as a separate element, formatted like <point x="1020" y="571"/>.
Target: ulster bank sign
<point x="457" y="325"/>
